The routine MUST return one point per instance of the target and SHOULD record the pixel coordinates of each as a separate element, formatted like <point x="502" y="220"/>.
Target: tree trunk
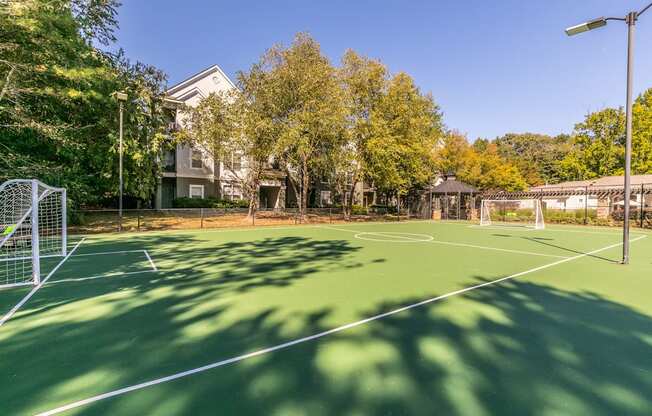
<point x="348" y="205"/>
<point x="304" y="188"/>
<point x="253" y="184"/>
<point x="294" y="186"/>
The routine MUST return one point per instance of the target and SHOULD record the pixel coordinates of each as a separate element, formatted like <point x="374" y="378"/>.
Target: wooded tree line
<point x="595" y="148"/>
<point x="340" y="123"/>
<point x="57" y="118"/>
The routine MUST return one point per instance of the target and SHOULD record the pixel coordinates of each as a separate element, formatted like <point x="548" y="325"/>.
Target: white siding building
<point x="191" y="171"/>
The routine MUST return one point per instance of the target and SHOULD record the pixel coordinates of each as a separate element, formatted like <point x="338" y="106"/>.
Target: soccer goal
<point x="516" y="212"/>
<point x="32" y="226"/>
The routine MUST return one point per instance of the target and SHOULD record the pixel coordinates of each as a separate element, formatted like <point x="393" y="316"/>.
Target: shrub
<point x="358" y="210"/>
<point x="185" y="202"/>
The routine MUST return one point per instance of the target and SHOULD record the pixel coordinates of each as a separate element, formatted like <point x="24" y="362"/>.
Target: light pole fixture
<point x="121" y="97"/>
<point x="630" y="19"/>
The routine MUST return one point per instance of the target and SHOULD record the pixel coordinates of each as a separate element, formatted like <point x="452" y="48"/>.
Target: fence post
<point x="253" y="217"/>
<point x="138" y="220"/>
<point x="201" y="217"/>
<point x="642" y="206"/>
<point x="586" y="205"/>
<point x="330" y="215"/>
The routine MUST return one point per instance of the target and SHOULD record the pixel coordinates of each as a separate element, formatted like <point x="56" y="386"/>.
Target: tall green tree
<point x="309" y="112"/>
<point x="56" y="115"/>
<point x="406" y="131"/>
<point x="365" y="83"/>
<point x="598" y="146"/>
<point x="537" y="156"/>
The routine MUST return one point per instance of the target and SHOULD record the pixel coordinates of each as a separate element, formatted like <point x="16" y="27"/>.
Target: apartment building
<point x="191" y="171"/>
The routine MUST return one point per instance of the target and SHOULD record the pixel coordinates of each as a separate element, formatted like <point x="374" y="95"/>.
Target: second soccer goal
<point x="513" y="212"/>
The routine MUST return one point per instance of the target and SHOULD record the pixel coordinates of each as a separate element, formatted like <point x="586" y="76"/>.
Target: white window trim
<point x="201" y="158"/>
<point x="195" y="186"/>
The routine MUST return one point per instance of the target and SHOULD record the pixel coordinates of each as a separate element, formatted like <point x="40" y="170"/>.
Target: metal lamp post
<point x="121" y="97"/>
<point x="630" y="19"/>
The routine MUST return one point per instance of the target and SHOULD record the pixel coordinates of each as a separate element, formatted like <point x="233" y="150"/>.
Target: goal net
<point x="32" y="226"/>
<point x="518" y="212"/>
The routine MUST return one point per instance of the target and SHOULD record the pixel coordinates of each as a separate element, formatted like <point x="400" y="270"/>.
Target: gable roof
<point x="453" y="186"/>
<point x="194" y="78"/>
<point x="606" y="181"/>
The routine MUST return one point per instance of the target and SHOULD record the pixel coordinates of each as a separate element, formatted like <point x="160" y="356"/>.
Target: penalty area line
<point x="285" y="345"/>
<point x="37" y="287"/>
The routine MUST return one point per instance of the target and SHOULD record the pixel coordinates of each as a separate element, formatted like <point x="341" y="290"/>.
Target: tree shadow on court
<point x="516" y="348"/>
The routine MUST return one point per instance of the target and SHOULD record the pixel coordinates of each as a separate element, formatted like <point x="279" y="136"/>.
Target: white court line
<point x="100" y="276"/>
<point x="547" y="229"/>
<point x="400" y="236"/>
<point x="151" y="262"/>
<point x="450" y="243"/>
<point x="37" y="287"/>
<point x="529" y="253"/>
<point x="500" y="227"/>
<point x="284" y="345"/>
<point x="102" y="253"/>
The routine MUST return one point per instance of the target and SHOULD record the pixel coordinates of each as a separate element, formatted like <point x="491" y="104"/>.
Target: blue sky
<point x="493" y="66"/>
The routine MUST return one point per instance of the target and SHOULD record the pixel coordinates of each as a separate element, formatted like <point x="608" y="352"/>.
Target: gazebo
<point x="453" y="199"/>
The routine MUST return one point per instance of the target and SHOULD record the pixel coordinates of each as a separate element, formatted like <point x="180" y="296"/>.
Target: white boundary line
<point x="284" y="345"/>
<point x="502" y="227"/>
<point x="102" y="253"/>
<point x="100" y="276"/>
<point x="506" y="250"/>
<point x="400" y="236"/>
<point x="115" y="274"/>
<point x="151" y="262"/>
<point x="11" y="313"/>
<point x="450" y="243"/>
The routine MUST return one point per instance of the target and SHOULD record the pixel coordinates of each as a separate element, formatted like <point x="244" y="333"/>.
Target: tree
<point x="480" y="164"/>
<point x="407" y="127"/>
<point x="642" y="134"/>
<point x="308" y="111"/>
<point x="537" y="156"/>
<point x="598" y="146"/>
<point x="365" y="83"/>
<point x="56" y="114"/>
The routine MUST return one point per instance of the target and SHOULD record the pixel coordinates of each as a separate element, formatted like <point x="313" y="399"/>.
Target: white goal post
<point x="32" y="226"/>
<point x="521" y="212"/>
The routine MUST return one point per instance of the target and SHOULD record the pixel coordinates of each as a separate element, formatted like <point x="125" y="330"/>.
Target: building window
<point x="196" y="191"/>
<point x="196" y="159"/>
<point x="232" y="192"/>
<point x="233" y="162"/>
<point x="169" y="162"/>
<point x="325" y="198"/>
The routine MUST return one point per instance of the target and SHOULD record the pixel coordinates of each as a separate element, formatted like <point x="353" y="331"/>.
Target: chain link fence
<point x="85" y="221"/>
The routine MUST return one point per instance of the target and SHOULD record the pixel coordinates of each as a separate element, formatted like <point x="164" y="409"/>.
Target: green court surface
<point x="349" y="319"/>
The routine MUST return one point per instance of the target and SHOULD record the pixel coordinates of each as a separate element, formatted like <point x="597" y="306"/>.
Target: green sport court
<point x="415" y="317"/>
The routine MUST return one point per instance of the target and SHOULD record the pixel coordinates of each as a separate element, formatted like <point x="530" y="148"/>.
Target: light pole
<point x="630" y="19"/>
<point x="121" y="97"/>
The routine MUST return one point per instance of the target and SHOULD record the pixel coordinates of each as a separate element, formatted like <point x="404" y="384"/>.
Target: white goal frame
<point x="485" y="213"/>
<point x="32" y="226"/>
